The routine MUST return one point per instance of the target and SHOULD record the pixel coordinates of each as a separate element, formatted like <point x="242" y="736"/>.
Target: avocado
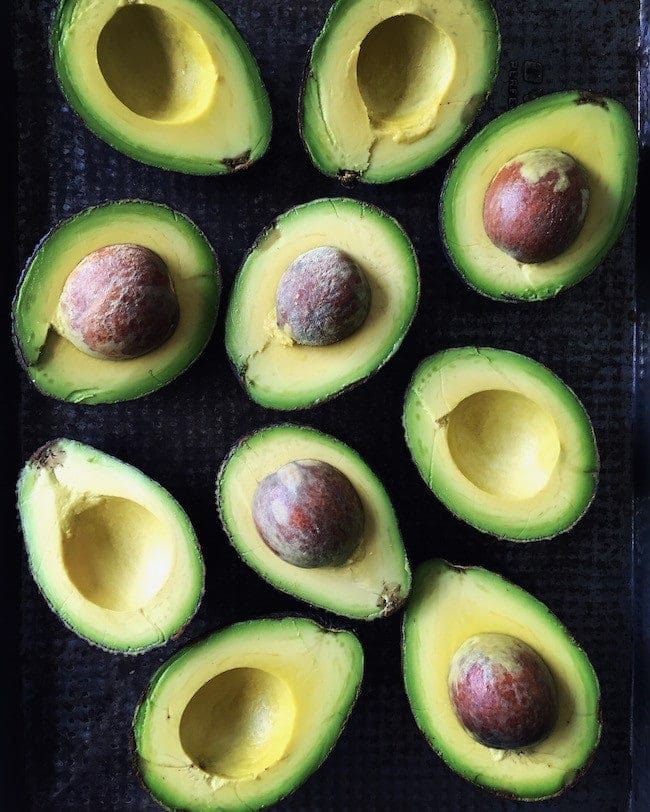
<point x="533" y="203"/>
<point x="501" y="441"/>
<point x="115" y="302"/>
<point x="339" y="549"/>
<point x="499" y="628"/>
<point x="348" y="275"/>
<point x="113" y="553"/>
<point x="391" y="87"/>
<point x="240" y="719"/>
<point x="171" y="84"/>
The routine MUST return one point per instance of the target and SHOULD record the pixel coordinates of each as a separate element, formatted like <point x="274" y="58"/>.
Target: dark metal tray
<point x="70" y="743"/>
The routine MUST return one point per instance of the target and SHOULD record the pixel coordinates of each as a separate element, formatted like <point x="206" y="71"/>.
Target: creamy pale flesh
<point x="170" y="82"/>
<point x="54" y="363"/>
<point x="238" y="720"/>
<point x="392" y="86"/>
<point x="448" y="606"/>
<point x="281" y="374"/>
<point x="113" y="553"/>
<point x="600" y="138"/>
<point x="501" y="441"/>
<point x="374" y="581"/>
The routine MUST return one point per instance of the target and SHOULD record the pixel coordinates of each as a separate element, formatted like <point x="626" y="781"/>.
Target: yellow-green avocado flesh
<point x="450" y="604"/>
<point x="599" y="134"/>
<point x="501" y="441"/>
<point x="61" y="370"/>
<point x="280" y="374"/>
<point x="168" y="82"/>
<point x="238" y="720"/>
<point x="374" y="582"/>
<point x="113" y="553"/>
<point x="390" y="87"/>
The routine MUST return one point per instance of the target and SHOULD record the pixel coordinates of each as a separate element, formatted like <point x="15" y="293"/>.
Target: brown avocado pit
<point x="502" y="692"/>
<point x="536" y="204"/>
<point x="309" y="514"/>
<point x="322" y="298"/>
<point x="118" y="303"/>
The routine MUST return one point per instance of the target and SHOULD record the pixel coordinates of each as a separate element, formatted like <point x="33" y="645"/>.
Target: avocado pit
<point x="118" y="303"/>
<point x="536" y="204"/>
<point x="309" y="514"/>
<point x="502" y="692"/>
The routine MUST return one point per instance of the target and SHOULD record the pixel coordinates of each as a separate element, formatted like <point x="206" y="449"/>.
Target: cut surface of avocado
<point x="599" y="134"/>
<point x="501" y="441"/>
<point x="391" y="87"/>
<point x="113" y="553"/>
<point x="280" y="374"/>
<point x="238" y="720"/>
<point x="167" y="82"/>
<point x="53" y="363"/>
<point x="451" y="604"/>
<point x="374" y="582"/>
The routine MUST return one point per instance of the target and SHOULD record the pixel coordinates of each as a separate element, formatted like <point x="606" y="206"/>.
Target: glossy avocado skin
<point x="434" y="629"/>
<point x="597" y="123"/>
<point x="59" y="369"/>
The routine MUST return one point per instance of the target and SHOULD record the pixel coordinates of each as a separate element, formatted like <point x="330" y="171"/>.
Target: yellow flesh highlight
<point x="239" y="723"/>
<point x="270" y="353"/>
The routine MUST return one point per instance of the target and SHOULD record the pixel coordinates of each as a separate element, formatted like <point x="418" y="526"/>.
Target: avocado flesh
<point x="501" y="441"/>
<point x="450" y="604"/>
<point x="599" y="134"/>
<point x="280" y="374"/>
<point x="391" y="87"/>
<point x="113" y="553"/>
<point x="374" y="582"/>
<point x="61" y="370"/>
<point x="170" y="83"/>
<point x="240" y="719"/>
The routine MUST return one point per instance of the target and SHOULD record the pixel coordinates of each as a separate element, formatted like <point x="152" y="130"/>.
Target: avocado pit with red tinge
<point x="309" y="514"/>
<point x="322" y="298"/>
<point x="536" y="204"/>
<point x="502" y="692"/>
<point x="118" y="303"/>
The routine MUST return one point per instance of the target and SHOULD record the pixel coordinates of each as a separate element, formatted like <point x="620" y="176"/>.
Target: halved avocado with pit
<point x="501" y="441"/>
<point x="238" y="720"/>
<point x="390" y="87"/>
<point x="598" y="133"/>
<point x="448" y="606"/>
<point x="113" y="553"/>
<point x="276" y="371"/>
<point x="374" y="582"/>
<point x="168" y="82"/>
<point x="54" y="364"/>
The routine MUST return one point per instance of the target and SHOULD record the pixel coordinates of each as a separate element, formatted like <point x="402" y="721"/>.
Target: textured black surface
<point x="78" y="701"/>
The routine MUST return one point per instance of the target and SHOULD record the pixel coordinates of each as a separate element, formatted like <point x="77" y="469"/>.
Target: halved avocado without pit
<point x="451" y="605"/>
<point x="113" y="553"/>
<point x="501" y="441"/>
<point x="56" y="365"/>
<point x="373" y="582"/>
<point x="276" y="371"/>
<point x="598" y="133"/>
<point x="170" y="83"/>
<point x="238" y="720"/>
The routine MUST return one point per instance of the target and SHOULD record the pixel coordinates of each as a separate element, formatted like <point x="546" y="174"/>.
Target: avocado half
<point x="238" y="720"/>
<point x="113" y="553"/>
<point x="599" y="134"/>
<point x="171" y="84"/>
<point x="501" y="441"/>
<point x="434" y="629"/>
<point x="61" y="370"/>
<point x="280" y="374"/>
<point x="374" y="582"/>
<point x="391" y="87"/>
